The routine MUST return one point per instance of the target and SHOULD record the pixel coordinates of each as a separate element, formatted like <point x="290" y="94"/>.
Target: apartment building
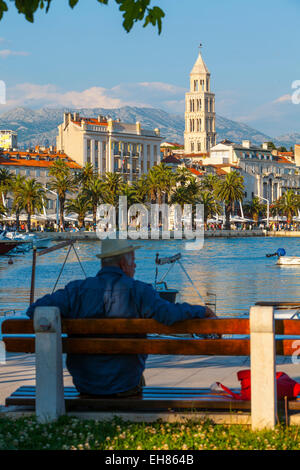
<point x="36" y="164"/>
<point x="8" y="140"/>
<point x="265" y="175"/>
<point x="110" y="146"/>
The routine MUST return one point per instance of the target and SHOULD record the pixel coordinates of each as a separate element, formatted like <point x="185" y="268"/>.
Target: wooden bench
<point x="49" y="337"/>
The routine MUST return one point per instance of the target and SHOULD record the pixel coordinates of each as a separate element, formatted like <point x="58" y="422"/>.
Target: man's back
<point x="112" y="294"/>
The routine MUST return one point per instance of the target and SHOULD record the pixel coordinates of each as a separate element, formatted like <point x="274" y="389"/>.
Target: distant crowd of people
<point x="48" y="226"/>
<point x="273" y="226"/>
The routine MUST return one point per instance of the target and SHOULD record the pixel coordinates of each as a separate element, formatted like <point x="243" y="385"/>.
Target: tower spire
<point x="200" y="133"/>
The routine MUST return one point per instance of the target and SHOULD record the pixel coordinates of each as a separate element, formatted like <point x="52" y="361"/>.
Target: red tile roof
<point x="201" y="154"/>
<point x="195" y="172"/>
<point x="171" y="159"/>
<point x="90" y="121"/>
<point x="282" y="159"/>
<point x="29" y="159"/>
<point x="286" y="154"/>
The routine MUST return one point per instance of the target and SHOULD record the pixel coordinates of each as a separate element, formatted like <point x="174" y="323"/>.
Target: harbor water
<point x="237" y="271"/>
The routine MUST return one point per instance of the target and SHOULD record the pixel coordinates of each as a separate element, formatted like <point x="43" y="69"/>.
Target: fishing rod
<point x="35" y="254"/>
<point x="172" y="260"/>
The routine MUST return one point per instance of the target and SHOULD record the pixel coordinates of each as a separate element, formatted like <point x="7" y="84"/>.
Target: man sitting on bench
<point x="114" y="293"/>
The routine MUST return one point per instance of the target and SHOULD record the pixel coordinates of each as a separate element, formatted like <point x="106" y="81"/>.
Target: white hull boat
<point x="283" y="260"/>
<point x="288" y="260"/>
<point x="31" y="240"/>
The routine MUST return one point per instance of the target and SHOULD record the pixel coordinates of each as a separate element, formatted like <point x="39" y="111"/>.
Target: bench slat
<point x="148" y="392"/>
<point x="123" y="326"/>
<point x="238" y="326"/>
<point x="153" y="398"/>
<point x="190" y="347"/>
<point x="185" y="347"/>
<point x="160" y="398"/>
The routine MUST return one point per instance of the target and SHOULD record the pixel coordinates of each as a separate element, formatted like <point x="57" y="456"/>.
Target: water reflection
<point x="237" y="271"/>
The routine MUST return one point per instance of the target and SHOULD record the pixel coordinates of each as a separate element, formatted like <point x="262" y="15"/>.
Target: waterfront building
<point x="35" y="164"/>
<point x="8" y="139"/>
<point x="172" y="162"/>
<point x="265" y="175"/>
<point x="110" y="146"/>
<point x="200" y="118"/>
<point x="171" y="148"/>
<point x="297" y="154"/>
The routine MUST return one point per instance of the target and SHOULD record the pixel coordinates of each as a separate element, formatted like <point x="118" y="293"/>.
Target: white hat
<point x="115" y="247"/>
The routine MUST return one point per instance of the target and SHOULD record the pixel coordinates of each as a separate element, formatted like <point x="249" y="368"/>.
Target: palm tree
<point x="113" y="187"/>
<point x="16" y="189"/>
<point x="188" y="194"/>
<point x="209" y="182"/>
<point x="288" y="204"/>
<point x="229" y="190"/>
<point x="211" y="206"/>
<point x="85" y="176"/>
<point x="183" y="175"/>
<point x="166" y="179"/>
<point x="140" y="189"/>
<point x="59" y="167"/>
<point x="159" y="182"/>
<point x="33" y="198"/>
<point x="6" y="180"/>
<point x="80" y="205"/>
<point x="93" y="192"/>
<point x="62" y="182"/>
<point x="2" y="210"/>
<point x="254" y="209"/>
<point x="131" y="194"/>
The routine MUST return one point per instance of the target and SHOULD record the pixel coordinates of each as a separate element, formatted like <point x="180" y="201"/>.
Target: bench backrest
<point x="85" y="341"/>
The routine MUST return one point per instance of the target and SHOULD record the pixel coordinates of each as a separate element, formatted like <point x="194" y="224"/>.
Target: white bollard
<point x="263" y="368"/>
<point x="50" y="402"/>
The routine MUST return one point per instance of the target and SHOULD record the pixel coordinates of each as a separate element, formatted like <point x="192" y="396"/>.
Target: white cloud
<point x="283" y="99"/>
<point x="4" y="53"/>
<point x="144" y="94"/>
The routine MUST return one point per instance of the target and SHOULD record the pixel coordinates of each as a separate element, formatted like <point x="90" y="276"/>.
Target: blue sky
<point x="84" y="58"/>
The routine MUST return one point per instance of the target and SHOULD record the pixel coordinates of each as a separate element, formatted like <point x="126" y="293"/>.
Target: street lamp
<point x="268" y="208"/>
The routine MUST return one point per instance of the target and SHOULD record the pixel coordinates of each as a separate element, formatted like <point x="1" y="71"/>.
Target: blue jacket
<point x="112" y="294"/>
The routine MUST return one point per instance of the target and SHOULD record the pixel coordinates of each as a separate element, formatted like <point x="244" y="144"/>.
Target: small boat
<point x="288" y="260"/>
<point x="30" y="238"/>
<point x="7" y="245"/>
<point x="283" y="260"/>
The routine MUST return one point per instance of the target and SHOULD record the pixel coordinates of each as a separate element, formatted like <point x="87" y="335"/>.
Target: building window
<point x="88" y="151"/>
<point x="199" y="146"/>
<point x="192" y="146"/>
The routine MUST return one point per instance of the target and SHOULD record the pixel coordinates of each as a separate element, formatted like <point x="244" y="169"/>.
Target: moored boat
<point x="288" y="260"/>
<point x="283" y="260"/>
<point x="30" y="238"/>
<point x="7" y="245"/>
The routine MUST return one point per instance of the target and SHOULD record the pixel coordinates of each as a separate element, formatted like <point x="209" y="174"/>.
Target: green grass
<point x="74" y="434"/>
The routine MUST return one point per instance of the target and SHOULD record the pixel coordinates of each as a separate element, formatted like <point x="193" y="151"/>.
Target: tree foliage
<point x="132" y="10"/>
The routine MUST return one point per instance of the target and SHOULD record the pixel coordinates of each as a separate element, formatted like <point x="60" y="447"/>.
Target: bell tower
<point x="200" y="118"/>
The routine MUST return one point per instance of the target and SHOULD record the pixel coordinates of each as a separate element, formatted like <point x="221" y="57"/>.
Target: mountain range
<point x="39" y="126"/>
